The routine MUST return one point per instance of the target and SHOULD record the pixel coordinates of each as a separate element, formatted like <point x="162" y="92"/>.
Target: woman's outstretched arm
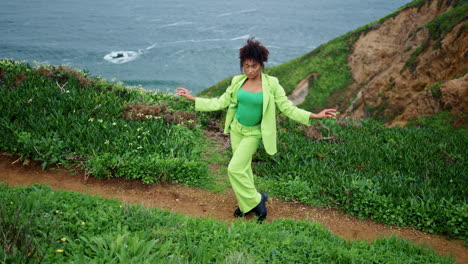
<point x="185" y="93"/>
<point x="325" y="113"/>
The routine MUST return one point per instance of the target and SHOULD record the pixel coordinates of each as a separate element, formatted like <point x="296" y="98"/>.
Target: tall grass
<point x="93" y="230"/>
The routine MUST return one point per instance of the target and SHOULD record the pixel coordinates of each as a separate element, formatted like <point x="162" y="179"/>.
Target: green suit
<point x="273" y="95"/>
<point x="245" y="140"/>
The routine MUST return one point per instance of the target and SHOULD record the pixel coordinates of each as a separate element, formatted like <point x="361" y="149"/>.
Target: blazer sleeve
<point x="287" y="107"/>
<point x="214" y="104"/>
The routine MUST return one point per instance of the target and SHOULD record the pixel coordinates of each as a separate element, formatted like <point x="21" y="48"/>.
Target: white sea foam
<point x="238" y="12"/>
<point x="248" y="11"/>
<point x="152" y="46"/>
<point x="224" y="14"/>
<point x="179" y="23"/>
<point x="274" y="47"/>
<point x="208" y="40"/>
<point x="213" y="28"/>
<point x="193" y="41"/>
<point x="241" y="37"/>
<point x="178" y="52"/>
<point x="120" y="57"/>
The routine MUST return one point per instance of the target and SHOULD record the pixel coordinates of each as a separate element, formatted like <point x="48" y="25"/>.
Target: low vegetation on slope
<point x="38" y="225"/>
<point x="408" y="177"/>
<point x="57" y="115"/>
<point x="399" y="176"/>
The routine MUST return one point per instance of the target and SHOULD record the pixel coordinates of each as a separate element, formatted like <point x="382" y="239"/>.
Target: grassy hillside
<point x="39" y="225"/>
<point x="414" y="176"/>
<point x="408" y="177"/>
<point x="398" y="176"/>
<point x="57" y="115"/>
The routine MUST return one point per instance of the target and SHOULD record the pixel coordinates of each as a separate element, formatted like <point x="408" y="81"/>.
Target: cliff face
<point x="402" y="70"/>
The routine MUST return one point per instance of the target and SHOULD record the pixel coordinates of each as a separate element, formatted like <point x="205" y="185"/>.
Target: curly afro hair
<point x="253" y="50"/>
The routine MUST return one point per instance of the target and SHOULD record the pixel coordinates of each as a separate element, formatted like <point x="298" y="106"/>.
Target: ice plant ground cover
<point x="401" y="176"/>
<point x="58" y="115"/>
<point x="40" y="225"/>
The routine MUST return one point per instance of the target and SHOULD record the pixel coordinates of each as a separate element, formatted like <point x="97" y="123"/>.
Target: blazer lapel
<point x="266" y="92"/>
<point x="237" y="86"/>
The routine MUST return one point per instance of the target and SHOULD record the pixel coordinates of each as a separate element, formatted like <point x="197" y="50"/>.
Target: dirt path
<point x="202" y="203"/>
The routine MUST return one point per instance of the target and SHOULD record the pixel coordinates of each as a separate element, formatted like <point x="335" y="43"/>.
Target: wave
<point x="193" y="41"/>
<point x="179" y="23"/>
<point x="241" y="37"/>
<point x="204" y="40"/>
<point x="247" y="11"/>
<point x="274" y="47"/>
<point x="224" y="14"/>
<point x="238" y="12"/>
<point x="178" y="52"/>
<point x="120" y="57"/>
<point x="152" y="46"/>
<point x="153" y="84"/>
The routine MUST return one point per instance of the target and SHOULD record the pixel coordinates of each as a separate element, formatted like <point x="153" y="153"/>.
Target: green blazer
<point x="273" y="96"/>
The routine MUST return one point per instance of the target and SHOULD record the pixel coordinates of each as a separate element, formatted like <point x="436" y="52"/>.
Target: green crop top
<point x="249" y="108"/>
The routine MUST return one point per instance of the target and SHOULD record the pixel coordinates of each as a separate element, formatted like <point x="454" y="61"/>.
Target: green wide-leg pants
<point x="244" y="142"/>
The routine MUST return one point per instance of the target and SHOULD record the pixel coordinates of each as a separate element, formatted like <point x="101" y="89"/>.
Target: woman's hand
<point x="185" y="93"/>
<point x="326" y="113"/>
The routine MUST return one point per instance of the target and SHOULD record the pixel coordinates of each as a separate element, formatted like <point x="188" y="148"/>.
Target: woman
<point x="252" y="99"/>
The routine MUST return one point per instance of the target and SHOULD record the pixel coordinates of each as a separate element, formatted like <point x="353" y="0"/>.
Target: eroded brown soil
<point x="383" y="80"/>
<point x="201" y="203"/>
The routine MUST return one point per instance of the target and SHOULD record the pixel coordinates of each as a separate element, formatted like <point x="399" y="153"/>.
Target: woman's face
<point x="252" y="68"/>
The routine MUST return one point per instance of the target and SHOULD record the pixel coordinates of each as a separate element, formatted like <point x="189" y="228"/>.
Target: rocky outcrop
<point x="402" y="72"/>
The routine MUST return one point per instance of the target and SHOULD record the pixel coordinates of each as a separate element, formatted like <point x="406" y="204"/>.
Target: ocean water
<point x="164" y="44"/>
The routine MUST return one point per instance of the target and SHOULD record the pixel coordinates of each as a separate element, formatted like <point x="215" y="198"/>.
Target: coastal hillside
<point x="82" y="133"/>
<point x="409" y="64"/>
